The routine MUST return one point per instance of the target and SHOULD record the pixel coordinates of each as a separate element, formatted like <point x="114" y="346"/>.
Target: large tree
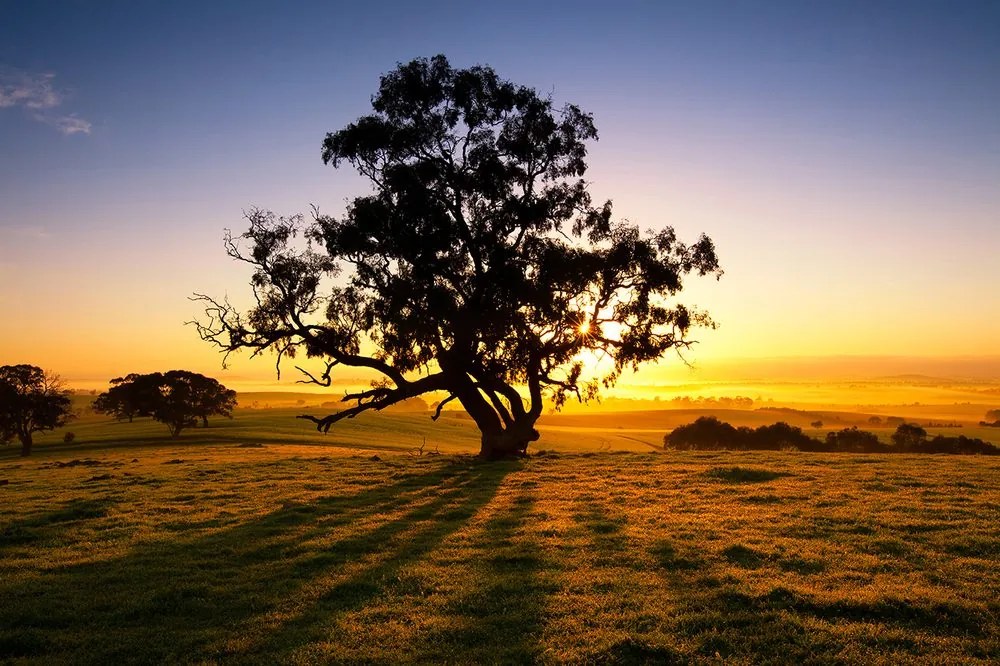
<point x="177" y="398"/>
<point x="125" y="399"/>
<point x="31" y="400"/>
<point x="478" y="265"/>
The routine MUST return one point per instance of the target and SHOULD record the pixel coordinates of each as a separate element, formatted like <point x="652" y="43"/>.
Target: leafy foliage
<point x="479" y="266"/>
<point x="709" y="433"/>
<point x="31" y="400"/>
<point x="177" y="398"/>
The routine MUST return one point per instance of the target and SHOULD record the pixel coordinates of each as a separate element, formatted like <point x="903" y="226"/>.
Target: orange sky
<point x="845" y="162"/>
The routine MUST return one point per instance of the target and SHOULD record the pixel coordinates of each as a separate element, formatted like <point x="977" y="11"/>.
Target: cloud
<point x="70" y="124"/>
<point x="36" y="93"/>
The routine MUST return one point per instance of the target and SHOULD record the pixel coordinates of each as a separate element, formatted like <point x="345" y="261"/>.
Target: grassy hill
<point x="212" y="552"/>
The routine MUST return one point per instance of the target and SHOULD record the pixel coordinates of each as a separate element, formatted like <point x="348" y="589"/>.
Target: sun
<point x="584" y="328"/>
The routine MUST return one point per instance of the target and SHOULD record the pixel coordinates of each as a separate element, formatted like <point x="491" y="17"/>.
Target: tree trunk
<point x="511" y="442"/>
<point x="204" y="422"/>
<point x="25" y="444"/>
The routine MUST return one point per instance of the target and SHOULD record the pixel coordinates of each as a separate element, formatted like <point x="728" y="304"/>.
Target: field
<point x="258" y="541"/>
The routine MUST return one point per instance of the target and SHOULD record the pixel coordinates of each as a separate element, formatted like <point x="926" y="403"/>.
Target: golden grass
<point x="217" y="553"/>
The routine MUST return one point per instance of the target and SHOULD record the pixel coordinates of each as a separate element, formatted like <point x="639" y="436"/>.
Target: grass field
<point x="258" y="541"/>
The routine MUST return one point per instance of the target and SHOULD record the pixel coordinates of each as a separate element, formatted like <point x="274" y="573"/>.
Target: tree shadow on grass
<point x="185" y="599"/>
<point x="501" y="619"/>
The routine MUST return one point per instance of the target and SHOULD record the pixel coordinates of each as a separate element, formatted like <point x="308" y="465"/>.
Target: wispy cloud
<point x="71" y="124"/>
<point x="36" y="93"/>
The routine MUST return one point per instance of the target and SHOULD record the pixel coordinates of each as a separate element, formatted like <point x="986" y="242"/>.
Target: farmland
<point x="258" y="540"/>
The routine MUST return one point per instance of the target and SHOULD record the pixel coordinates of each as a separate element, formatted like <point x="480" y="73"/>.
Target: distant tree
<point x="875" y="420"/>
<point x="208" y="396"/>
<point x="177" y="398"/>
<point x="707" y="432"/>
<point x="31" y="400"/>
<point x="128" y="397"/>
<point x="852" y="440"/>
<point x="993" y="415"/>
<point x="478" y="266"/>
<point x="909" y="436"/>
<point x="778" y="436"/>
<point x="960" y="445"/>
<point x="894" y="420"/>
<point x="816" y="424"/>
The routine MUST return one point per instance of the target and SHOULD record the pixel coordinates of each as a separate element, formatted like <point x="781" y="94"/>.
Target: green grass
<point x="203" y="550"/>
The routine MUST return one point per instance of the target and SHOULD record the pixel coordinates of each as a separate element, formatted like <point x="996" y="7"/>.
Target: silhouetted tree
<point x="177" y="398"/>
<point x="909" y="436"/>
<point x="31" y="400"/>
<point x="875" y="420"/>
<point x="707" y="433"/>
<point x="125" y="399"/>
<point x="478" y="266"/>
<point x="816" y="424"/>
<point x="852" y="440"/>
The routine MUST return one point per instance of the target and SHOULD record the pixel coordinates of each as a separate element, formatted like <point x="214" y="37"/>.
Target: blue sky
<point x="844" y="155"/>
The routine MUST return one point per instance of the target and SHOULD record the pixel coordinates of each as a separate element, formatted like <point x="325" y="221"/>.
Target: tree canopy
<point x="478" y="266"/>
<point x="177" y="398"/>
<point x="31" y="400"/>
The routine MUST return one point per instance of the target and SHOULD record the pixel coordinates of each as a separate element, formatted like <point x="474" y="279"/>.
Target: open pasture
<point x="205" y="550"/>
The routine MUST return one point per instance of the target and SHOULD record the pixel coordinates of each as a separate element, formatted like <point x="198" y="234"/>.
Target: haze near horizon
<point x="844" y="159"/>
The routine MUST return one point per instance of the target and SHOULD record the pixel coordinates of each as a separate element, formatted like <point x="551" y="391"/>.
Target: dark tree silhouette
<point x="855" y="441"/>
<point x="177" y="398"/>
<point x="478" y="267"/>
<point x="123" y="400"/>
<point x="909" y="436"/>
<point x="31" y="400"/>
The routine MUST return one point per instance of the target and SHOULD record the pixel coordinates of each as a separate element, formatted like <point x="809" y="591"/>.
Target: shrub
<point x="909" y="437"/>
<point x="852" y="440"/>
<point x="779" y="436"/>
<point x="706" y="433"/>
<point x="69" y="437"/>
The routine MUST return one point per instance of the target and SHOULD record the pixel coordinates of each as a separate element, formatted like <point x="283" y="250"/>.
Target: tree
<point x="177" y="398"/>
<point x="124" y="400"/>
<point x="31" y="400"/>
<point x="993" y="416"/>
<point x="909" y="437"/>
<point x="478" y="267"/>
<point x="854" y="441"/>
<point x="705" y="433"/>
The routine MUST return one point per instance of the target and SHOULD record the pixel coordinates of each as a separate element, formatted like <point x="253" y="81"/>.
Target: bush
<point x="705" y="434"/>
<point x="960" y="445"/>
<point x="909" y="437"/>
<point x="852" y="440"/>
<point x="778" y="436"/>
<point x="710" y="434"/>
<point x="69" y="437"/>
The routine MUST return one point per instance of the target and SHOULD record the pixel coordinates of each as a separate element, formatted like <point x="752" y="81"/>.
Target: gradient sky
<point x="845" y="157"/>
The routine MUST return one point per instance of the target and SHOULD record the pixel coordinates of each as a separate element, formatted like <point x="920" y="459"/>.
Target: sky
<point x="844" y="157"/>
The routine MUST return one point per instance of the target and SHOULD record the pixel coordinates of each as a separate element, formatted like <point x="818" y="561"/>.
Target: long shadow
<point x="177" y="600"/>
<point x="392" y="547"/>
<point x="501" y="619"/>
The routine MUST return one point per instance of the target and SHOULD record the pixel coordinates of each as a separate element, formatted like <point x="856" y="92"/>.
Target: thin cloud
<point x="36" y="93"/>
<point x="66" y="124"/>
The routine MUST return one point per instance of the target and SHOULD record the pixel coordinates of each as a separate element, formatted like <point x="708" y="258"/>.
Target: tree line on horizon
<point x="708" y="433"/>
<point x="33" y="400"/>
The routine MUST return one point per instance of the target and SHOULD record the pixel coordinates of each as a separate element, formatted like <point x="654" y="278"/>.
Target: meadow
<point x="257" y="540"/>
